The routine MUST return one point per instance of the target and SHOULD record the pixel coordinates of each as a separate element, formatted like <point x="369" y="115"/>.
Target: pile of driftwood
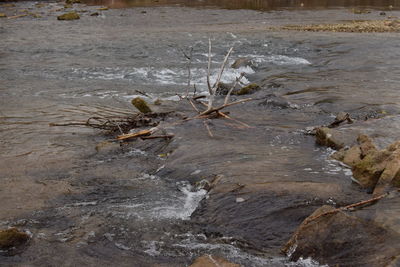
<point x="204" y="105"/>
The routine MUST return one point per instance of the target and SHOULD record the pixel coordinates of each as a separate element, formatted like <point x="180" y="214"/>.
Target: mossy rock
<point x="12" y="238"/>
<point x="102" y="8"/>
<point x="141" y="105"/>
<point x="69" y="16"/>
<point x="249" y="89"/>
<point x="70" y="2"/>
<point x="2" y="15"/>
<point x="370" y="168"/>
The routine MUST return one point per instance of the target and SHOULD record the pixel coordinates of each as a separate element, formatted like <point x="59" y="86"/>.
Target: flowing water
<point x="133" y="206"/>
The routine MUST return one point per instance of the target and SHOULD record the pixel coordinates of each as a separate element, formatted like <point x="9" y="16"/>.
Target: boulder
<point x="212" y="261"/>
<point x="343" y="239"/>
<point x="69" y="16"/>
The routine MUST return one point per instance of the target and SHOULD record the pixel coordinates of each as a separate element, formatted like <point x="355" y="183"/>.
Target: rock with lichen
<point x="141" y="105"/>
<point x="69" y="16"/>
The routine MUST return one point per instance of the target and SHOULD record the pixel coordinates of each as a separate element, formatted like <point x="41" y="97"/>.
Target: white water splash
<point x="184" y="207"/>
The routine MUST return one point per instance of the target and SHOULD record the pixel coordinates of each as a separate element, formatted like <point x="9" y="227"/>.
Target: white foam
<point x="184" y="207"/>
<point x="277" y="59"/>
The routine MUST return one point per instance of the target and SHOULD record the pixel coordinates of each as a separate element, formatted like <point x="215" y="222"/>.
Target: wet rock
<point x="329" y="137"/>
<point x="340" y="118"/>
<point x="223" y="88"/>
<point x="2" y="15"/>
<point x="141" y="105"/>
<point x="242" y="62"/>
<point x="12" y="239"/>
<point x="327" y="240"/>
<point x="102" y="8"/>
<point x="277" y="102"/>
<point x="248" y="89"/>
<point x="212" y="261"/>
<point x="69" y="16"/>
<point x="95" y="14"/>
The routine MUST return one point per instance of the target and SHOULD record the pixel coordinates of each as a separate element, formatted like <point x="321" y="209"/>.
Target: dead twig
<point x="348" y="207"/>
<point x="209" y="66"/>
<point x="208" y="129"/>
<point x="136" y="134"/>
<point x="167" y="136"/>
<point x="215" y="86"/>
<point x="233" y="87"/>
<point x="209" y="111"/>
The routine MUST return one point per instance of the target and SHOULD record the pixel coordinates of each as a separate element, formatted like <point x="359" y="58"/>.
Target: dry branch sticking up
<point x="348" y="207"/>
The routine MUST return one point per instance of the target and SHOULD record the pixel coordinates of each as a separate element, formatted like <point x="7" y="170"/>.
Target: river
<point x="135" y="206"/>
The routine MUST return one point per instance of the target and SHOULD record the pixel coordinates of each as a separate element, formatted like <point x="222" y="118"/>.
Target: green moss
<point x="68" y="16"/>
<point x="141" y="105"/>
<point x="249" y="89"/>
<point x="12" y="238"/>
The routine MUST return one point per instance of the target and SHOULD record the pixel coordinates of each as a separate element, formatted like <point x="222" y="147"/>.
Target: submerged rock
<point x="342" y="239"/>
<point x="212" y="261"/>
<point x="12" y="239"/>
<point x="248" y="89"/>
<point x="69" y="16"/>
<point x="242" y="62"/>
<point x="141" y="105"/>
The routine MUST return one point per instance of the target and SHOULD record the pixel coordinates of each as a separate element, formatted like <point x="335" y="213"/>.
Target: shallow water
<point x="133" y="205"/>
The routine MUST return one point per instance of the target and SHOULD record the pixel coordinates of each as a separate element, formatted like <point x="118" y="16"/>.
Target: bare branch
<point x="208" y="111"/>
<point x="189" y="70"/>
<point x="233" y="87"/>
<point x="215" y="86"/>
<point x="208" y="129"/>
<point x="209" y="66"/>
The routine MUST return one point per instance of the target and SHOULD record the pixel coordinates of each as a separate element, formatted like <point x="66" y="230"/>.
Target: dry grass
<point x="354" y="26"/>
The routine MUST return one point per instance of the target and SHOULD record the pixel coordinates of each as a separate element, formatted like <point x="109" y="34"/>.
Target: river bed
<point x="139" y="204"/>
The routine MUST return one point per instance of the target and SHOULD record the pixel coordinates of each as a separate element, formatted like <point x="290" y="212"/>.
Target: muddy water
<point x="136" y="206"/>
